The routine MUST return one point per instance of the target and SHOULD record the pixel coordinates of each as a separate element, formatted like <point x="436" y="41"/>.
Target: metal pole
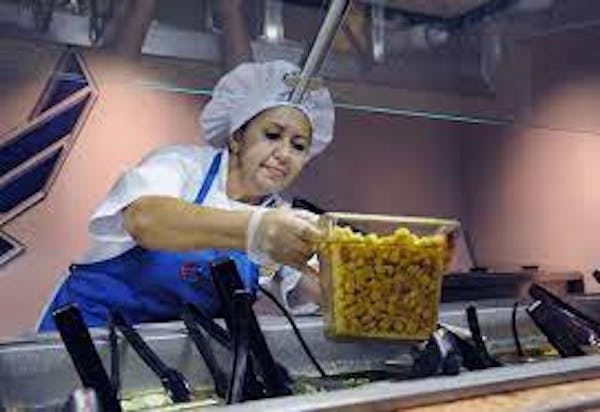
<point x="320" y="47"/>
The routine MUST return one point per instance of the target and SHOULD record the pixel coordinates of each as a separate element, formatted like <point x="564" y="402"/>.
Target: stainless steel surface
<point x="588" y="304"/>
<point x="38" y="372"/>
<point x="385" y="396"/>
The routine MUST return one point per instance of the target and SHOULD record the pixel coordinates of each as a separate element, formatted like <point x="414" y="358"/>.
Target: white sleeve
<point x="284" y="286"/>
<point x="162" y="173"/>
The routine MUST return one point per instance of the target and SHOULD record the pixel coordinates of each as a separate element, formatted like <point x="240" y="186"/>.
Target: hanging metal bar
<point x="320" y="47"/>
<point x="378" y="31"/>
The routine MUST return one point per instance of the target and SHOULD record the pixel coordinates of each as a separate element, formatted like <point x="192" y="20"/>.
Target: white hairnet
<point x="253" y="87"/>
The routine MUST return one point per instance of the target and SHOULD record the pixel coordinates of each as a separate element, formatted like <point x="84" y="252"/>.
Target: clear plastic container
<point x="381" y="275"/>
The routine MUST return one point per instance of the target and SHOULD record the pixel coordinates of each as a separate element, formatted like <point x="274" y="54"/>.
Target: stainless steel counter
<point x="38" y="374"/>
<point x="386" y="396"/>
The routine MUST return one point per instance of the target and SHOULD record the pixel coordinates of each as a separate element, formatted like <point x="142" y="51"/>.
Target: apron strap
<point x="210" y="177"/>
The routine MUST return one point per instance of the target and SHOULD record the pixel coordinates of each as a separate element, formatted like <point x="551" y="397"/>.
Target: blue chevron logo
<point x="32" y="154"/>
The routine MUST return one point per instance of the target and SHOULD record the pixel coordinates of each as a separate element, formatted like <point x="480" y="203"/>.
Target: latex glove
<point x="283" y="236"/>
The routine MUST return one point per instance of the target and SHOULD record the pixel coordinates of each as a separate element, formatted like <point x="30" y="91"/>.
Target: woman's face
<point x="273" y="149"/>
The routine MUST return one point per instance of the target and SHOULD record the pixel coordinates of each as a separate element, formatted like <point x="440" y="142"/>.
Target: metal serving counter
<point x="384" y="396"/>
<point x="37" y="373"/>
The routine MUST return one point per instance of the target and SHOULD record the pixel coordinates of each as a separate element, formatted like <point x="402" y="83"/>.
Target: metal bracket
<point x="292" y="80"/>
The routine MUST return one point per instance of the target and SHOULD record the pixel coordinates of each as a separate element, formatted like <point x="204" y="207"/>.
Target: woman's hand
<point x="283" y="236"/>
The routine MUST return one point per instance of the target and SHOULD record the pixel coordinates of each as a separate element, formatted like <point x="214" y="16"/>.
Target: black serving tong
<point x="441" y="354"/>
<point x="596" y="275"/>
<point x="241" y="348"/>
<point x="566" y="328"/>
<point x="299" y="203"/>
<point x="172" y="380"/>
<point x="555" y="327"/>
<point x="481" y="356"/>
<point x="446" y="353"/>
<point x="539" y="293"/>
<point x="247" y="337"/>
<point x="195" y="315"/>
<point x="194" y="321"/>
<point x="115" y="363"/>
<point x="82" y="351"/>
<point x="236" y="388"/>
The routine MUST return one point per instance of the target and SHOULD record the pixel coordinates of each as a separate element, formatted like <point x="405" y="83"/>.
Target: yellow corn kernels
<point x="385" y="286"/>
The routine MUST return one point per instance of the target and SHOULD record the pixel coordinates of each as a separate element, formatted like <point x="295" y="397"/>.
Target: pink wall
<point x="524" y="197"/>
<point x="387" y="164"/>
<point x="532" y="192"/>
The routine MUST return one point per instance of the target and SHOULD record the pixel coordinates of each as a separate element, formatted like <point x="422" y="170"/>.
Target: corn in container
<point x="381" y="275"/>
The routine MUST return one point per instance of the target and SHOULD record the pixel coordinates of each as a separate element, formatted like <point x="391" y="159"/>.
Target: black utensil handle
<point x="228" y="283"/>
<point x="137" y="343"/>
<point x="515" y="330"/>
<point x="82" y="351"/>
<point x="539" y="293"/>
<point x="471" y="357"/>
<point x="480" y="346"/>
<point x="215" y="331"/>
<point x="194" y="331"/>
<point x="299" y="203"/>
<point x="552" y="324"/>
<point x="115" y="363"/>
<point x="271" y="372"/>
<point x="241" y="344"/>
<point x="175" y="384"/>
<point x="226" y="280"/>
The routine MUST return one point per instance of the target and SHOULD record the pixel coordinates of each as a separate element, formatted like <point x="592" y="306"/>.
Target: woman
<point x="183" y="206"/>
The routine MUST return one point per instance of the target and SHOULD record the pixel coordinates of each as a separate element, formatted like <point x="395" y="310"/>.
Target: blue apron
<point x="147" y="285"/>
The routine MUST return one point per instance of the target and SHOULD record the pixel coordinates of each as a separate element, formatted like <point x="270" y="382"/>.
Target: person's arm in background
<point x="235" y="42"/>
<point x="132" y="25"/>
<point x="135" y="16"/>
